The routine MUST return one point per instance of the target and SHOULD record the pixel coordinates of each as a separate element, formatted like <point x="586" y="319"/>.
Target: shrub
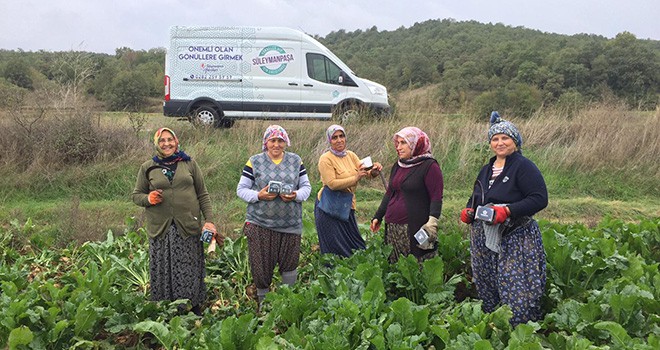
<point x="128" y="92"/>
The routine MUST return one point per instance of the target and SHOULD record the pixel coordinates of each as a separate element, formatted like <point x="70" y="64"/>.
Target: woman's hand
<point x="362" y="172"/>
<point x="375" y="171"/>
<point x="264" y="195"/>
<point x="375" y="225"/>
<point x="501" y="213"/>
<point x="467" y="215"/>
<point x="155" y="197"/>
<point x="288" y="197"/>
<point x="210" y="226"/>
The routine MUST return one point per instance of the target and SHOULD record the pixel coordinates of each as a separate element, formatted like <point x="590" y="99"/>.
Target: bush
<point x="128" y="92"/>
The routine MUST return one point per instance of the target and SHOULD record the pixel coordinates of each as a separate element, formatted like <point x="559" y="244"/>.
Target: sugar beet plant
<point x="603" y="292"/>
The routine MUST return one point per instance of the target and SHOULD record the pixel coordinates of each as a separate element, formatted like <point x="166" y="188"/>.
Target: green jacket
<point x="182" y="199"/>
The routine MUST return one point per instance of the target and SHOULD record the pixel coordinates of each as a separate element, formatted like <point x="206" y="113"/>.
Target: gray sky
<point x="104" y="25"/>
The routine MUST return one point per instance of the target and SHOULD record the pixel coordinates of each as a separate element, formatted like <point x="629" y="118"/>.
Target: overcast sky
<point x="104" y="25"/>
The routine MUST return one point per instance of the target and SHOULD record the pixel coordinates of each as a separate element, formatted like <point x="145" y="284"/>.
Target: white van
<point x="216" y="75"/>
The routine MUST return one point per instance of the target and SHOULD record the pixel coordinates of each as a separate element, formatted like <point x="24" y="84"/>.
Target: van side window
<point x="322" y="69"/>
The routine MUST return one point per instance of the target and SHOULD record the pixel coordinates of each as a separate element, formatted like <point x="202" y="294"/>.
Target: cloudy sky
<point x="104" y="25"/>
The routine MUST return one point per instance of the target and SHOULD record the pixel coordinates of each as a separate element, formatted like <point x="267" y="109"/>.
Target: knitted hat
<point x="501" y="126"/>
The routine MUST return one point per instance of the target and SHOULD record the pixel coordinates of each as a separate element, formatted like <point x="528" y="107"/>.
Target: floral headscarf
<point x="419" y="144"/>
<point x="331" y="131"/>
<point x="178" y="154"/>
<point x="501" y="126"/>
<point x="157" y="135"/>
<point x="275" y="132"/>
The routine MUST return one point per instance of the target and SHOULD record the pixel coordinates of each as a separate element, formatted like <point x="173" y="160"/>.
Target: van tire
<point x="207" y="115"/>
<point x="347" y="111"/>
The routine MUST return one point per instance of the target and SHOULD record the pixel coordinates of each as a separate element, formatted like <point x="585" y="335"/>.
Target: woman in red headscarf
<point x="413" y="199"/>
<point x="171" y="188"/>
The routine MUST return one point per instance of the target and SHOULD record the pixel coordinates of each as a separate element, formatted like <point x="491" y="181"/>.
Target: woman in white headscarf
<point x="340" y="170"/>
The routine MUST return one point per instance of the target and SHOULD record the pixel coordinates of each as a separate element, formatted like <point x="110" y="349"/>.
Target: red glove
<point x="155" y="197"/>
<point x="467" y="215"/>
<point x="500" y="214"/>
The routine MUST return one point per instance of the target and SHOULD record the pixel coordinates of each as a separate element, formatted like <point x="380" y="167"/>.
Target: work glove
<point x="467" y="215"/>
<point x="500" y="214"/>
<point x="217" y="238"/>
<point x="155" y="197"/>
<point x="431" y="228"/>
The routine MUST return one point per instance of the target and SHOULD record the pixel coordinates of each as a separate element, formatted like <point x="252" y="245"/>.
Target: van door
<point x="322" y="87"/>
<point x="271" y="85"/>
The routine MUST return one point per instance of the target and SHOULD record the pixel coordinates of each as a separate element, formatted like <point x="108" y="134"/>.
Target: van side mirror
<point x="340" y="78"/>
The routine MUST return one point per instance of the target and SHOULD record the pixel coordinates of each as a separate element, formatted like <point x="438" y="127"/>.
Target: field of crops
<point x="603" y="292"/>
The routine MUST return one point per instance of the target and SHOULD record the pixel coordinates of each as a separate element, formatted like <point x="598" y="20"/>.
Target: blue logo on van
<point x="272" y="59"/>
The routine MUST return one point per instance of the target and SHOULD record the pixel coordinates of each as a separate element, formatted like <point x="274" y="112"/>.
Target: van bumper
<point x="175" y="108"/>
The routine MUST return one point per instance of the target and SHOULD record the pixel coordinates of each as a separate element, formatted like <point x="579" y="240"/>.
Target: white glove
<point x="431" y="228"/>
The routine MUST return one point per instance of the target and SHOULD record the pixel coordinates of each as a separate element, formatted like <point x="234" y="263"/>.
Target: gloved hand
<point x="467" y="215"/>
<point x="500" y="214"/>
<point x="431" y="228"/>
<point x="155" y="197"/>
<point x="209" y="226"/>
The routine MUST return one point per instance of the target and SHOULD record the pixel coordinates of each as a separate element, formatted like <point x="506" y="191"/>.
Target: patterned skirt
<point x="176" y="267"/>
<point x="336" y="236"/>
<point x="515" y="276"/>
<point x="401" y="241"/>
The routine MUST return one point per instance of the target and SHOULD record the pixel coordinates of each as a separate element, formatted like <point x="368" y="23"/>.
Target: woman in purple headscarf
<point x="413" y="199"/>
<point x="340" y="170"/>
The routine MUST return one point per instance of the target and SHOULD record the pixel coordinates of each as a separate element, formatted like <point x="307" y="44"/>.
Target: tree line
<point x="468" y="65"/>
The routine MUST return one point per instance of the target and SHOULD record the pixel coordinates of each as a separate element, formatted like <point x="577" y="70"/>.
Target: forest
<point x="468" y="67"/>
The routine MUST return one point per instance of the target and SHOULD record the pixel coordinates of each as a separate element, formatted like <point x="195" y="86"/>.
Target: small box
<point x="207" y="236"/>
<point x="421" y="236"/>
<point x="274" y="187"/>
<point x="286" y="188"/>
<point x="367" y="163"/>
<point x="485" y="214"/>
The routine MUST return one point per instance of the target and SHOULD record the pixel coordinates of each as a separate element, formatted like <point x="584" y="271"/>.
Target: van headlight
<point x="377" y="90"/>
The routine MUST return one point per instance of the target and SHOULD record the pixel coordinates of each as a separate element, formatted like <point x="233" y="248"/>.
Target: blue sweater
<point x="520" y="185"/>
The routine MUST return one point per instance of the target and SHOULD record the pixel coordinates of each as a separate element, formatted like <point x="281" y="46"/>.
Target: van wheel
<point x="207" y="115"/>
<point x="347" y="112"/>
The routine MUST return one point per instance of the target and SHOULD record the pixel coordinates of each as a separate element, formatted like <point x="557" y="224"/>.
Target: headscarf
<point x="275" y="132"/>
<point x="501" y="126"/>
<point x="331" y="131"/>
<point x="419" y="144"/>
<point x="178" y="154"/>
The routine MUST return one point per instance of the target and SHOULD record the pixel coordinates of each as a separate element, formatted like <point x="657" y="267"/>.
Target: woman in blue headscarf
<point x="508" y="258"/>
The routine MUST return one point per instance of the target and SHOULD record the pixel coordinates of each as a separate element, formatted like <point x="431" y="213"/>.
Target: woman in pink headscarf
<point x="413" y="199"/>
<point x="273" y="222"/>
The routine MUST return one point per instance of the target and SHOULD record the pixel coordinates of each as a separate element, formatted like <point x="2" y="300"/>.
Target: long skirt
<point x="515" y="276"/>
<point x="401" y="241"/>
<point x="176" y="266"/>
<point x="267" y="248"/>
<point x="336" y="236"/>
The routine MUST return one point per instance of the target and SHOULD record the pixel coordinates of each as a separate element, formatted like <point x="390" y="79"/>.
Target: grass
<point x="599" y="162"/>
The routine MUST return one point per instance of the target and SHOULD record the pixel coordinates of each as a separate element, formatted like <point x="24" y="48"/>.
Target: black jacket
<point x="520" y="186"/>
